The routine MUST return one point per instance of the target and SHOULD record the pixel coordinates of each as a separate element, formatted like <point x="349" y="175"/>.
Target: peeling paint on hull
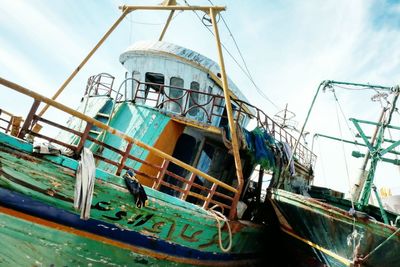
<point x="321" y="232"/>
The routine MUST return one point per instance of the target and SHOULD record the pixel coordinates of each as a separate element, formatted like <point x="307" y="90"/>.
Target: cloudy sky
<point x="289" y="47"/>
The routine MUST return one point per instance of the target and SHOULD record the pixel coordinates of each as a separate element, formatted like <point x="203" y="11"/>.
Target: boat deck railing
<point x="156" y="96"/>
<point x="210" y="193"/>
<point x="9" y="123"/>
<point x="101" y="84"/>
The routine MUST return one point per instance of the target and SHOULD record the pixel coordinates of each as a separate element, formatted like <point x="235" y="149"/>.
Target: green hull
<point x="24" y="243"/>
<point x="166" y="220"/>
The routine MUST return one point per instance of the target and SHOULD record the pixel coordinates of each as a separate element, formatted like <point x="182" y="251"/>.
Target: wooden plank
<point x="83" y="137"/>
<point x="123" y="159"/>
<point x="29" y="118"/>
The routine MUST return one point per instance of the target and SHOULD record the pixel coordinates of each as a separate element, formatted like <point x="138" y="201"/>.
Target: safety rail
<point x="185" y="188"/>
<point x="101" y="84"/>
<point x="302" y="154"/>
<point x="9" y="123"/>
<point x="186" y="102"/>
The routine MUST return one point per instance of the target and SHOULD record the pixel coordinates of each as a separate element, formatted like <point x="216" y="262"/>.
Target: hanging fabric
<point x="288" y="154"/>
<point x="84" y="185"/>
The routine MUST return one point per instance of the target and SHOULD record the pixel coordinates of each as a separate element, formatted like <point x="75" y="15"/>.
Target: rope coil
<point x="218" y="217"/>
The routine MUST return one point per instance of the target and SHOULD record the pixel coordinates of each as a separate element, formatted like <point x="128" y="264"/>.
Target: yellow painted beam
<point x="172" y="7"/>
<point x="232" y="126"/>
<point x="73" y="74"/>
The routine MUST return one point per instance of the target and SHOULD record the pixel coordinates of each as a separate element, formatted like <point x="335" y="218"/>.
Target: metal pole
<point x="174" y="7"/>
<point x="235" y="145"/>
<point x="322" y="84"/>
<point x="166" y="25"/>
<point x="168" y="2"/>
<point x="357" y="187"/>
<point x="73" y="74"/>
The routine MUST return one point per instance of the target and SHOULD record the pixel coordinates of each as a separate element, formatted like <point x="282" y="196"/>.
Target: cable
<point x="244" y="62"/>
<point x="345" y="119"/>
<point x="343" y="149"/>
<point x="247" y="73"/>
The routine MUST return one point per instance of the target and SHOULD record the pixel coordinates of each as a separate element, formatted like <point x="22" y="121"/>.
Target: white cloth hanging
<point x="84" y="185"/>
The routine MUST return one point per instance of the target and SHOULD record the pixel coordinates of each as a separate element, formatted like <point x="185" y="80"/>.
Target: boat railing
<point x="156" y="95"/>
<point x="302" y="153"/>
<point x="9" y="123"/>
<point x="186" y="103"/>
<point x="186" y="187"/>
<point x="101" y="85"/>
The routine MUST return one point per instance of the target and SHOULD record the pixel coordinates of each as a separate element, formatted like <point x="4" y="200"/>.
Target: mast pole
<point x="357" y="187"/>
<point x="376" y="155"/>
<point x="232" y="126"/>
<point x="171" y="14"/>
<point x="73" y="74"/>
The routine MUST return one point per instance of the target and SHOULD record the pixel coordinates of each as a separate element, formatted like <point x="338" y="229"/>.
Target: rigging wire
<point x="357" y="88"/>
<point x="343" y="149"/>
<point x="245" y="70"/>
<point x="346" y="121"/>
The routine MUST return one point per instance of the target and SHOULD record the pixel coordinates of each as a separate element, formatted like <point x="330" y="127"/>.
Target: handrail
<point x="111" y="130"/>
<point x="304" y="155"/>
<point x="5" y="123"/>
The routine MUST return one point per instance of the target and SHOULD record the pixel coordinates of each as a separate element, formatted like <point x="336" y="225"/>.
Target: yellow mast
<point x="232" y="127"/>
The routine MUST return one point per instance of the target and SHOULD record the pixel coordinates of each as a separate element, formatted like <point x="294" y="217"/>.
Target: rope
<point x="343" y="149"/>
<point x="380" y="245"/>
<point x="218" y="217"/>
<point x="347" y="123"/>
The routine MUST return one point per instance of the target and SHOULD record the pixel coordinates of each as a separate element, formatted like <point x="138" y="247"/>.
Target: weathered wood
<point x="161" y="174"/>
<point x="209" y="196"/>
<point x="123" y="159"/>
<point x="52" y="140"/>
<point x="29" y="118"/>
<point x="188" y="186"/>
<point x="84" y="136"/>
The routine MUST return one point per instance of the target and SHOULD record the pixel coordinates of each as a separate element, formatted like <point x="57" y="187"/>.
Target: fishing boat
<point x="151" y="171"/>
<point x="324" y="227"/>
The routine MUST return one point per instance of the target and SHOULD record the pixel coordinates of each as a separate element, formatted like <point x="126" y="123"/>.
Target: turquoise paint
<point x="15" y="143"/>
<point x="139" y="122"/>
<point x="72" y="164"/>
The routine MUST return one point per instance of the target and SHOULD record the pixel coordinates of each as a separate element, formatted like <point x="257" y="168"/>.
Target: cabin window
<point x="194" y="98"/>
<point x="149" y="92"/>
<point x="175" y="94"/>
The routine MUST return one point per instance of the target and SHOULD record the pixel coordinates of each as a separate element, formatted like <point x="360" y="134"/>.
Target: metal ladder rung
<point x="94" y="132"/>
<point x="105" y="115"/>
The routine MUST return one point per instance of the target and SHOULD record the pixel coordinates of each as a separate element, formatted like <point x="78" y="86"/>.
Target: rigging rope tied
<point x="221" y="217"/>
<point x="379" y="246"/>
<point x="343" y="149"/>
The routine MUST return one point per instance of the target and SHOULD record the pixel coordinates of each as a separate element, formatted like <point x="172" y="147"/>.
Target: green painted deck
<point x="51" y="179"/>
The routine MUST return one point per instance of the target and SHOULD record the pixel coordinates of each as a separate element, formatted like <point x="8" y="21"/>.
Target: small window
<point x="175" y="94"/>
<point x="194" y="98"/>
<point x="156" y="78"/>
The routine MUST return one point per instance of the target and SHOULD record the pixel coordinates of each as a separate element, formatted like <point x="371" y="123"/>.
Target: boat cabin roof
<point x="182" y="54"/>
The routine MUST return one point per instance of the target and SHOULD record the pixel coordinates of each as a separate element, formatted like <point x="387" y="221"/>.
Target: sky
<point x="289" y="47"/>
